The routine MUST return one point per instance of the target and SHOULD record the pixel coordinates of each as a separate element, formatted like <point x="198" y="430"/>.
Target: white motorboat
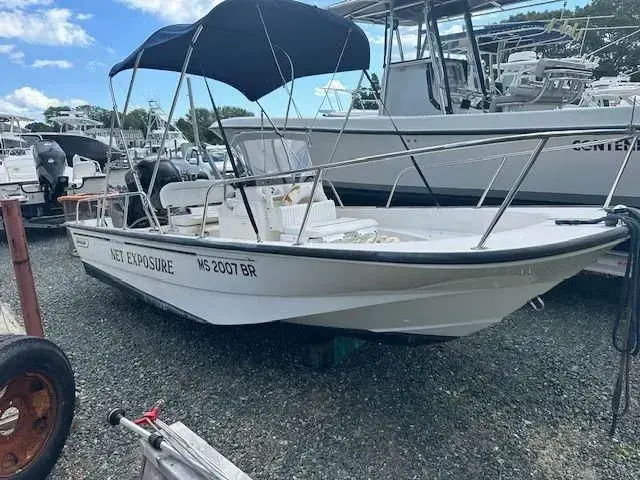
<point x="37" y="172"/>
<point x="617" y="91"/>
<point x="269" y="245"/>
<point x="425" y="104"/>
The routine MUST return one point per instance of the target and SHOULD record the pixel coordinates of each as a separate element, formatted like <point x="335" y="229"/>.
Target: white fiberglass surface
<point x="452" y="230"/>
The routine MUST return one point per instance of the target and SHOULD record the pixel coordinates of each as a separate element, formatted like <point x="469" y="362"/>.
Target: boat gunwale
<point x="613" y="236"/>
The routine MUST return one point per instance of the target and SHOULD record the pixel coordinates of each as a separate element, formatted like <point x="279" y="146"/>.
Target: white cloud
<point x="94" y="65"/>
<point x="375" y="39"/>
<point x="15" y="56"/>
<point x="333" y="87"/>
<point x="84" y="16"/>
<point x="51" y="63"/>
<point x="19" y="4"/>
<point x="45" y="27"/>
<point x="451" y="29"/>
<point x="31" y="102"/>
<point x="174" y="11"/>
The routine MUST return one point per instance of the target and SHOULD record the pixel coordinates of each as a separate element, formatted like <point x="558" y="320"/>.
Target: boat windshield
<point x="266" y="153"/>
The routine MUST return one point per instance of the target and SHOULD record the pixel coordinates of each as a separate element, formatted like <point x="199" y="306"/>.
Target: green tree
<point x="205" y="118"/>
<point x="51" y="112"/>
<point x="227" y="111"/>
<point x="622" y="57"/>
<point x="39" y="127"/>
<point x="366" y="98"/>
<point x="96" y="113"/>
<point x="136" y="119"/>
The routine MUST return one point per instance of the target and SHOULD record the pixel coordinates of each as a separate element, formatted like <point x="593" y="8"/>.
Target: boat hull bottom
<point x="311" y="334"/>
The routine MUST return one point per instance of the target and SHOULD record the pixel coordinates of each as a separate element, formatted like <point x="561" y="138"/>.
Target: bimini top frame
<point x="244" y="43"/>
<point x="231" y="45"/>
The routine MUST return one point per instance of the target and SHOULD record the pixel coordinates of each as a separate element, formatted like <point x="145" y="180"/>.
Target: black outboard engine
<point x="50" y="165"/>
<point x="167" y="173"/>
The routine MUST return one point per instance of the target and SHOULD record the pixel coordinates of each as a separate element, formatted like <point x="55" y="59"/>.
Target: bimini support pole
<point x="234" y="166"/>
<point x="395" y="127"/>
<point x="116" y="120"/>
<point x="183" y="73"/>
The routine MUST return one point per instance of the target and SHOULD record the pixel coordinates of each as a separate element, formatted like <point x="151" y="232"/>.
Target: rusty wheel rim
<point x="27" y="418"/>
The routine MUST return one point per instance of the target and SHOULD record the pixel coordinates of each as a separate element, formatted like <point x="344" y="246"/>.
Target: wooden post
<point x="14" y="228"/>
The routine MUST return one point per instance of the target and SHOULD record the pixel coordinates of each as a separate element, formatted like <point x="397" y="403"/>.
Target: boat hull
<point x="212" y="283"/>
<point x="459" y="177"/>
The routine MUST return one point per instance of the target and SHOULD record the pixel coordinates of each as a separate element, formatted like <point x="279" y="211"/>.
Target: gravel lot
<point x="529" y="398"/>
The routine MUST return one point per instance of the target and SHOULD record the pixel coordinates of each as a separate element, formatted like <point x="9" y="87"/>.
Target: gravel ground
<point x="529" y="398"/>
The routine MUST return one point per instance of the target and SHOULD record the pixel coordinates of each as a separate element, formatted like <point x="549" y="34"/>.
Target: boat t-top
<point x="271" y="245"/>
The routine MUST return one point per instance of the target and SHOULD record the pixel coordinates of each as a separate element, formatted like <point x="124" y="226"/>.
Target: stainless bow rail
<point x="102" y="199"/>
<point x="623" y="134"/>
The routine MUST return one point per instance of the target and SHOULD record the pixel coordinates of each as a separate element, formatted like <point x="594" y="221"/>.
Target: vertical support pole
<point x="399" y="40"/>
<point x="433" y="55"/>
<point x="12" y="218"/>
<point x="419" y="42"/>
<point x="475" y="51"/>
<point x="194" y="121"/>
<point x="183" y="73"/>
<point x="514" y="189"/>
<point x="387" y="61"/>
<point x="627" y="157"/>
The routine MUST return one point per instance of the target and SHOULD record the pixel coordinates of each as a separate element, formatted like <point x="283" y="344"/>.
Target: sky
<point x="58" y="52"/>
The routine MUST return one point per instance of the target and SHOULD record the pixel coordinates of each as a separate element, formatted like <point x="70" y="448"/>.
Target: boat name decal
<point x="81" y="242"/>
<point x="618" y="146"/>
<point x="226" y="267"/>
<point x="150" y="262"/>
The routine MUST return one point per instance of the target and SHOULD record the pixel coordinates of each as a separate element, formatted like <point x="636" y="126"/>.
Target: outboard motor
<point x="167" y="173"/>
<point x="51" y="162"/>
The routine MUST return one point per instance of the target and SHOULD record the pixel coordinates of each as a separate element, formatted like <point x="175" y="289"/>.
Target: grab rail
<point x="542" y="137"/>
<point x="499" y="168"/>
<point x="146" y="205"/>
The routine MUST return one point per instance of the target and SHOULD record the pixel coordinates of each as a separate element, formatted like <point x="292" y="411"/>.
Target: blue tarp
<point x="233" y="47"/>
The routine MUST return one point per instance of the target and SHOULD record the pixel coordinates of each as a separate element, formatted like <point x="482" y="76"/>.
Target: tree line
<point x="137" y="119"/>
<point x="616" y="58"/>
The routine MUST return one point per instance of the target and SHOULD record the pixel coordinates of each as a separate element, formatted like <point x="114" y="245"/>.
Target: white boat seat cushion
<point x="323" y="221"/>
<point x="334" y="227"/>
<point x="83" y="168"/>
<point x="189" y="194"/>
<point x="194" y="217"/>
<point x="291" y="216"/>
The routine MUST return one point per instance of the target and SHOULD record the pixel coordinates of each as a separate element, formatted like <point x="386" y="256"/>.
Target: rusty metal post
<point x="17" y="240"/>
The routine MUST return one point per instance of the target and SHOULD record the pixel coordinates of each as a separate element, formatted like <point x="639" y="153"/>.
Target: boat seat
<point x="337" y="226"/>
<point x="323" y="224"/>
<point x="84" y="168"/>
<point x="190" y="194"/>
<point x="194" y="216"/>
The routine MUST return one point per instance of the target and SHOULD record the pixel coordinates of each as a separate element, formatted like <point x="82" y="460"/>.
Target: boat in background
<point x="37" y="172"/>
<point x="617" y="91"/>
<point x="433" y="99"/>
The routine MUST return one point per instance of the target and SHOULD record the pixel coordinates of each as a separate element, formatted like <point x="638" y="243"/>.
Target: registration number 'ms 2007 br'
<point x="227" y="267"/>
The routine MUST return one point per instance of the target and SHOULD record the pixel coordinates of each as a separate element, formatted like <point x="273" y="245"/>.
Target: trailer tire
<point x="37" y="401"/>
